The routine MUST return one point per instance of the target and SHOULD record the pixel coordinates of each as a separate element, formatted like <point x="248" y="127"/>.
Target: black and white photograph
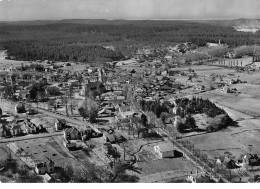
<point x="129" y="91"/>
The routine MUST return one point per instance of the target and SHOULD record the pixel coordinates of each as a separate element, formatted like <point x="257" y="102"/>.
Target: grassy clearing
<point x="164" y="165"/>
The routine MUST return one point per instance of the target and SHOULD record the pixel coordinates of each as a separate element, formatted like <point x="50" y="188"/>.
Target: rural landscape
<point x="130" y="101"/>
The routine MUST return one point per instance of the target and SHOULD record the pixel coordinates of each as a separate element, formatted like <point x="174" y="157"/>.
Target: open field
<point x="241" y="102"/>
<point x="248" y="89"/>
<point x="38" y="149"/>
<point x="164" y="165"/>
<point x="74" y="68"/>
<point x="215" y="144"/>
<point x="250" y="137"/>
<point x="251" y="78"/>
<point x="233" y="139"/>
<point x="4" y="63"/>
<point x="235" y="115"/>
<point x="160" y="170"/>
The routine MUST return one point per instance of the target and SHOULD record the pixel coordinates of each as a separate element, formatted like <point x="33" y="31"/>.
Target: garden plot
<point x="249" y="137"/>
<point x="39" y="149"/>
<point x="158" y="167"/>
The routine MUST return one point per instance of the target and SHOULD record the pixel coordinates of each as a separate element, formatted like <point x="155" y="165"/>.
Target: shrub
<point x="53" y="91"/>
<point x="219" y="122"/>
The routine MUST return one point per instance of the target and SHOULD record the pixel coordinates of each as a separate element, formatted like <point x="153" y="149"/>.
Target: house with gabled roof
<point x="45" y="166"/>
<point x="72" y="133"/>
<point x="164" y="150"/>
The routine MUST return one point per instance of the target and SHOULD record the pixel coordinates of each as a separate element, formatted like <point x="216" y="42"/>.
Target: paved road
<point x="68" y="119"/>
<point x="28" y="137"/>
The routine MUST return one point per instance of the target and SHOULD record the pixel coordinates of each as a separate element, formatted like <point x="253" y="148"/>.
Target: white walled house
<point x="164" y="150"/>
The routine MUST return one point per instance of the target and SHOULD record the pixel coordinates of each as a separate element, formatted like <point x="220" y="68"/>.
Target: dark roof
<point x="71" y="129"/>
<point x="62" y="121"/>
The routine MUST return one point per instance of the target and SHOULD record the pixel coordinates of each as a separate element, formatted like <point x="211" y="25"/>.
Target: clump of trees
<point x="94" y="89"/>
<point x="8" y="91"/>
<point x="58" y="51"/>
<point x="218" y="52"/>
<point x="155" y="106"/>
<point x="20" y="173"/>
<point x="246" y="50"/>
<point x="53" y="91"/>
<point x="37" y="92"/>
<point x="194" y="105"/>
<point x="188" y="125"/>
<point x="75" y="174"/>
<point x="89" y="109"/>
<point x="195" y="56"/>
<point x="219" y="122"/>
<point x="218" y="118"/>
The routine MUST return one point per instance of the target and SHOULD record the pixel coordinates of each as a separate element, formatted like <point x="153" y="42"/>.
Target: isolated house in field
<point x="72" y="133"/>
<point x="200" y="87"/>
<point x="225" y="89"/>
<point x="60" y="124"/>
<point x="46" y="166"/>
<point x="164" y="150"/>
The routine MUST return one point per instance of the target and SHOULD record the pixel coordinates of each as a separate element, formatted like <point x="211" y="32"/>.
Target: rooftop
<point x="166" y="146"/>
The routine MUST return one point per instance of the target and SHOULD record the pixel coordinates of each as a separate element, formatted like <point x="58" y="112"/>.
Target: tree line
<point x="83" y="42"/>
<point x="218" y="118"/>
<point x="58" y="51"/>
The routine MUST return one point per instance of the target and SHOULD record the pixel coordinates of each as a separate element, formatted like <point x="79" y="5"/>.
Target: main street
<point x="66" y="118"/>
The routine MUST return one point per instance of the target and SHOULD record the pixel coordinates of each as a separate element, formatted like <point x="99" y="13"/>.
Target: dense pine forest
<point x="84" y="41"/>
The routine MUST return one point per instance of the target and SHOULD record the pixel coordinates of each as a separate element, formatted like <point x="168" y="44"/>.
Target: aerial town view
<point x="93" y="94"/>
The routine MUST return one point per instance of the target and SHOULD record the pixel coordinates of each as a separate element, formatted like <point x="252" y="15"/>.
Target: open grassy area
<point x="38" y="149"/>
<point x="240" y="102"/>
<point x="215" y="144"/>
<point x="164" y="165"/>
<point x="3" y="153"/>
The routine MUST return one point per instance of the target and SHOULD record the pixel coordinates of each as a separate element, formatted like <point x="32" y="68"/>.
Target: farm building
<point x="164" y="150"/>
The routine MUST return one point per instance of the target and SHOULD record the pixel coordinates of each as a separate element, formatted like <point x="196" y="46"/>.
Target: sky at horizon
<point x="20" y="10"/>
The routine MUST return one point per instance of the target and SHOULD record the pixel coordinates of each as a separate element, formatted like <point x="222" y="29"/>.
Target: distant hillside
<point x="83" y="39"/>
<point x="242" y="22"/>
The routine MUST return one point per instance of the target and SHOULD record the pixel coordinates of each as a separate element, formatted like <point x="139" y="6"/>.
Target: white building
<point x="164" y="150"/>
